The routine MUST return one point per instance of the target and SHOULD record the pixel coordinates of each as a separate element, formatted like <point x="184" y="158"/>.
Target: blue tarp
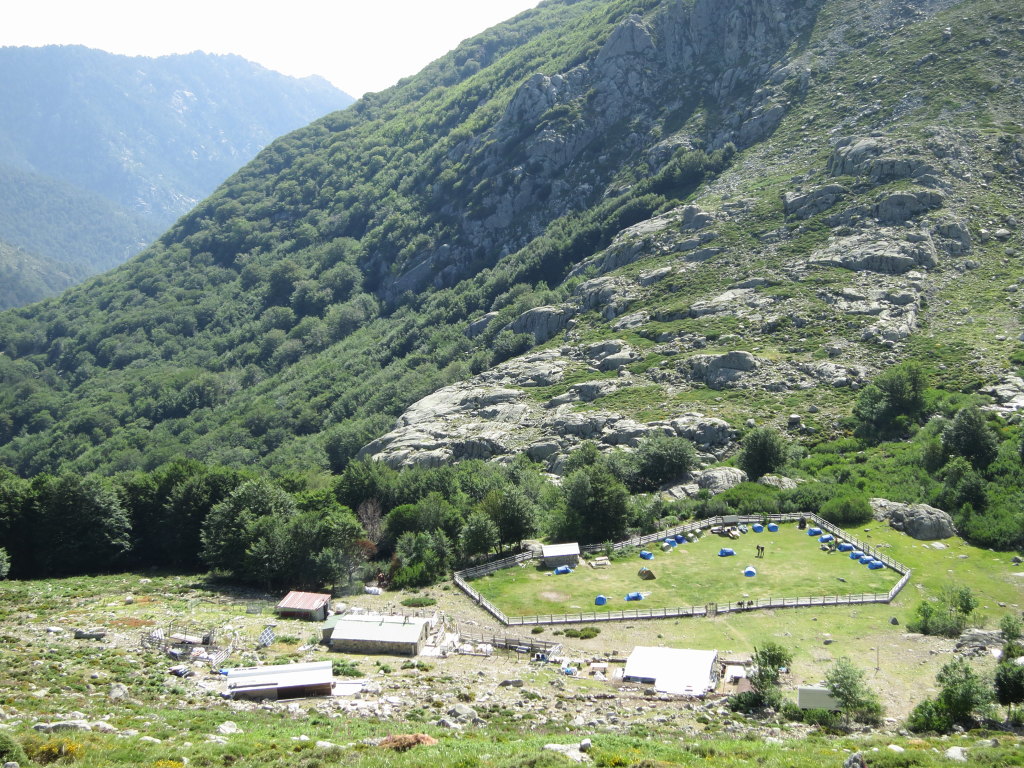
<point x="646" y="555"/>
<point x="562" y="570"/>
<point x="725" y="552"/>
<point x="814" y="531"/>
<point x="846" y="547"/>
<point x="634" y="596"/>
<point x="600" y="600"/>
<point x="758" y="528"/>
<point x="773" y="527"/>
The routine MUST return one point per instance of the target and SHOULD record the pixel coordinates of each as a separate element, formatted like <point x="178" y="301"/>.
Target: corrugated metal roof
<point x="280" y="676"/>
<point x="380" y="628"/>
<point x="303" y="601"/>
<point x="673" y="670"/>
<point x="560" y="550"/>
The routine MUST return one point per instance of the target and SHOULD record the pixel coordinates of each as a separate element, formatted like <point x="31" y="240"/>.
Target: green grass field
<point x="690" y="574"/>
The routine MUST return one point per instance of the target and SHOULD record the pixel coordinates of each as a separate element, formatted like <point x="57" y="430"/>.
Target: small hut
<point x="555" y="555"/>
<point x="311" y="606"/>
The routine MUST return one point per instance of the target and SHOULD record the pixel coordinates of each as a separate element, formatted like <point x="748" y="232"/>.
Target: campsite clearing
<point x="690" y="574"/>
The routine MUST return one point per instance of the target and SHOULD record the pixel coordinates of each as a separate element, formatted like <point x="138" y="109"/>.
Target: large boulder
<point x="719" y="479"/>
<point x="919" y="521"/>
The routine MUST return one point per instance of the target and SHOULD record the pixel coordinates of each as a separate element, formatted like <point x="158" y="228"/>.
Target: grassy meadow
<point x="690" y="574"/>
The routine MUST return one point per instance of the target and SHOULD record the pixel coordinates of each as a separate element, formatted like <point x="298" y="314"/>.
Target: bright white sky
<point x="359" y="45"/>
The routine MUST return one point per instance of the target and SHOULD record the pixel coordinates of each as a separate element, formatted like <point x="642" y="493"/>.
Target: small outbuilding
<point x="367" y="633"/>
<point x="311" y="606"/>
<point x="679" y="671"/>
<point x="281" y="681"/>
<point x="815" y="697"/>
<point x="555" y="555"/>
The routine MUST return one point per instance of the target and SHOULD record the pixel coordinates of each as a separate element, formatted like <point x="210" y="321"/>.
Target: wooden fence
<point x="462" y="579"/>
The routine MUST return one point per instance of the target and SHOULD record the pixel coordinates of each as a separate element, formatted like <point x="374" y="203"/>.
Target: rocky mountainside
<point x="101" y="153"/>
<point x="598" y="221"/>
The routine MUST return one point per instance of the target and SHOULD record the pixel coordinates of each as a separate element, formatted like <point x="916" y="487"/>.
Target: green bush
<point x="345" y="668"/>
<point x="11" y="751"/>
<point x="824" y="718"/>
<point x="583" y="634"/>
<point x="847" y="510"/>
<point x="764" y="451"/>
<point x="418" y="602"/>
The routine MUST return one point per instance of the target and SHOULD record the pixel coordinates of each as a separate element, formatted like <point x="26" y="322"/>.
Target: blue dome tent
<point x="814" y="531"/>
<point x="680" y="538"/>
<point x="749" y="571"/>
<point x="725" y="552"/>
<point x="845" y="547"/>
<point x="634" y="596"/>
<point x="600" y="600"/>
<point x="856" y="554"/>
<point x="772" y="527"/>
<point x="758" y="528"/>
<point x="874" y="565"/>
<point x="646" y="555"/>
<point x="866" y="559"/>
<point x="826" y="538"/>
<point x="562" y="570"/>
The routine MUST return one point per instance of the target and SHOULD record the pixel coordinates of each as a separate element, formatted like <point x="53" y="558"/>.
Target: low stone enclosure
<point x="462" y="578"/>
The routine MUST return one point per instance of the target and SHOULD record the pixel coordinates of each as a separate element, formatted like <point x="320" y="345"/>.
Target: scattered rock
<point x="856" y="760"/>
<point x="958" y="754"/>
<point x="63" y="725"/>
<point x="228" y="728"/>
<point x="118" y="691"/>
<point x="571" y="751"/>
<point x="511" y="683"/>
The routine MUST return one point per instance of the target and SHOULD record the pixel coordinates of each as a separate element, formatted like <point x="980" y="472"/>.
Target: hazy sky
<point x="359" y="45"/>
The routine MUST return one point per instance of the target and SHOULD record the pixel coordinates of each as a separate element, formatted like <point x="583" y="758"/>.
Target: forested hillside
<point x="601" y="221"/>
<point x="100" y="153"/>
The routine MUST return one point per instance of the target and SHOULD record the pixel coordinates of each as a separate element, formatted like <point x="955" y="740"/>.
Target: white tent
<point x="679" y="671"/>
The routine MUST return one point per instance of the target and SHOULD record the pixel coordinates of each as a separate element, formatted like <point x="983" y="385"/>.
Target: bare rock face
<point x="878" y="251"/>
<point x="918" y="521"/>
<point x="803" y="205"/>
<point x="721" y="371"/>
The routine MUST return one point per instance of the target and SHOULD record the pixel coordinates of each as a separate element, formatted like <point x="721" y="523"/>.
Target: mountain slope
<point x="740" y="208"/>
<point x="83" y="131"/>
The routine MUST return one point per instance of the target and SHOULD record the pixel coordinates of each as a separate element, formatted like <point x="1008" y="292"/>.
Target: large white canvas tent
<point x="679" y="671"/>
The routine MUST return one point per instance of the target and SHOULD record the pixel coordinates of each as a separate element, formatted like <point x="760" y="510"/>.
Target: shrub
<point x="46" y="752"/>
<point x="536" y="630"/>
<point x="764" y="451"/>
<point x="583" y="634"/>
<point x="971" y="437"/>
<point x="846" y="510"/>
<point x="11" y="751"/>
<point x="418" y="602"/>
<point x="345" y="668"/>
<point x="824" y="718"/>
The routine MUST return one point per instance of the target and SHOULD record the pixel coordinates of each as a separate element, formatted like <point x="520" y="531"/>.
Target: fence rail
<point x="462" y="578"/>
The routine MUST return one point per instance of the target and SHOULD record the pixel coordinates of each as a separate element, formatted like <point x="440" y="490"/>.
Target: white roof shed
<point x="679" y="671"/>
